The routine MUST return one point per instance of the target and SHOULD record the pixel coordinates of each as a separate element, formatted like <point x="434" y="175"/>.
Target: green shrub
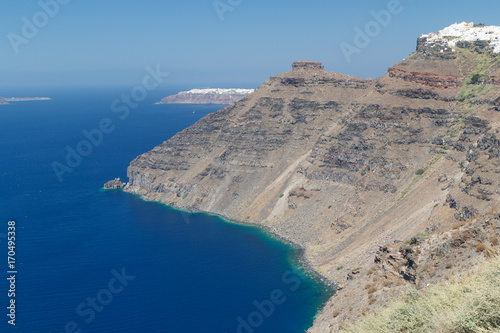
<point x="477" y="78"/>
<point x="420" y="172"/>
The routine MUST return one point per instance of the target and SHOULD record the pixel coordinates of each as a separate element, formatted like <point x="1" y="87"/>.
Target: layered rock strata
<point x="342" y="165"/>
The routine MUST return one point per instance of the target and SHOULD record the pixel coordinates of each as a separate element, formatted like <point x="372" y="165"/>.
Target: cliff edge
<point x="353" y="170"/>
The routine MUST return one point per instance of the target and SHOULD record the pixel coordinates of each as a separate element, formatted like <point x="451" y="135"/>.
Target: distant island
<point x="4" y="101"/>
<point x="207" y="96"/>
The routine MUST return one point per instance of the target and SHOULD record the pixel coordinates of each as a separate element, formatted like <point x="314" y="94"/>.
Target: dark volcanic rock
<point x="333" y="162"/>
<point x="114" y="184"/>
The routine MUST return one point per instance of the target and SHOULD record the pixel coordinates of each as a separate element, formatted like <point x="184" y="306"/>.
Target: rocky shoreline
<point x="269" y="230"/>
<point x="274" y="233"/>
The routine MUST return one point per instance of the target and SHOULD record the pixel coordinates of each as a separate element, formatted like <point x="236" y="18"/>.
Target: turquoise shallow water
<point x="105" y="261"/>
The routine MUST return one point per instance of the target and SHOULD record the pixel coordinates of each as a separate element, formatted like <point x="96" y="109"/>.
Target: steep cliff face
<point x="343" y="165"/>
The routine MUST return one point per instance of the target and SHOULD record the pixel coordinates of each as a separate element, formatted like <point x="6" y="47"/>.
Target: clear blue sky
<point x="112" y="41"/>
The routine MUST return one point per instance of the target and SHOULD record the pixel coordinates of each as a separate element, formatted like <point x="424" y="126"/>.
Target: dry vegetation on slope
<point x="415" y="264"/>
<point x="471" y="304"/>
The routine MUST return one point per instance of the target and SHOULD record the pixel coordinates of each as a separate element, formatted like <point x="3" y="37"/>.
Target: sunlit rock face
<point x="342" y="165"/>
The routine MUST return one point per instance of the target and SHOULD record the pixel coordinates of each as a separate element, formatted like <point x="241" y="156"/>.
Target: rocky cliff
<point x="345" y="166"/>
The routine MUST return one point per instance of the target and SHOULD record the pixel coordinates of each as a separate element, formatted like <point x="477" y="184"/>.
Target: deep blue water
<point x="183" y="272"/>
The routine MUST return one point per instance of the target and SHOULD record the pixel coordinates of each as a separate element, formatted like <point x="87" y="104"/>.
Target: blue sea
<point x="89" y="260"/>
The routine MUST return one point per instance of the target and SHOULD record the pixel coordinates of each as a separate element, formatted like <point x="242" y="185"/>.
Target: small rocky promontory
<point x="115" y="184"/>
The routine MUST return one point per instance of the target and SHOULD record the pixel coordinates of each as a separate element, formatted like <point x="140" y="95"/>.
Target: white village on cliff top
<point x="466" y="32"/>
